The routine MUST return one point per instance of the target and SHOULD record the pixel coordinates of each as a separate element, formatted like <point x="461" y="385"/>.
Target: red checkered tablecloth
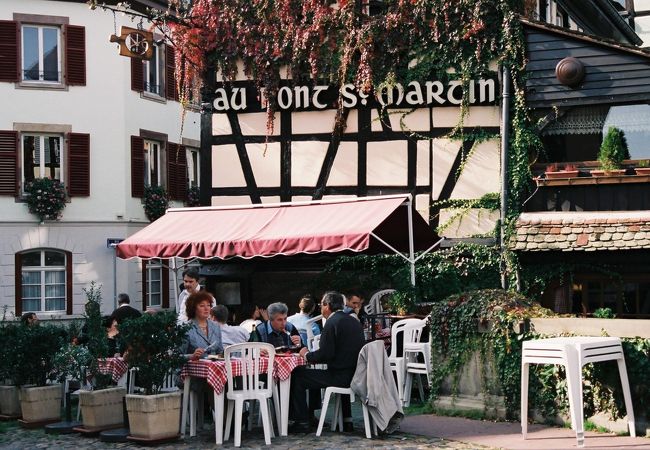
<point x="116" y="367"/>
<point x="215" y="371"/>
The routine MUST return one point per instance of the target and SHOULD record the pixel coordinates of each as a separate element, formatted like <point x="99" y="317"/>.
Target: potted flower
<point x="45" y="198"/>
<point x="153" y="344"/>
<point x="35" y="348"/>
<point x="553" y="171"/>
<point x="193" y="197"/>
<point x="156" y="202"/>
<point x="612" y="152"/>
<point x="100" y="401"/>
<point x="643" y="167"/>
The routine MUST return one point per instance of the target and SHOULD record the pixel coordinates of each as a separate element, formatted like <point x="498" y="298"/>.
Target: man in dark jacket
<point x="124" y="310"/>
<point x="340" y="344"/>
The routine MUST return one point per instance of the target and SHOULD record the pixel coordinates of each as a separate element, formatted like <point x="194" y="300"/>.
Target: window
<point x="193" y="167"/>
<point x="43" y="280"/>
<point x="154" y="283"/>
<point x="153" y="72"/>
<point x="41" y="54"/>
<point x="151" y="163"/>
<point x="42" y="157"/>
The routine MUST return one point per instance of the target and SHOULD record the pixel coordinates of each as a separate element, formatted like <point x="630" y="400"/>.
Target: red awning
<point x="279" y="229"/>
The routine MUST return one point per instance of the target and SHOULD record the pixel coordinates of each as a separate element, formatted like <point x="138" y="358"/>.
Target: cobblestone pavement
<point x="17" y="438"/>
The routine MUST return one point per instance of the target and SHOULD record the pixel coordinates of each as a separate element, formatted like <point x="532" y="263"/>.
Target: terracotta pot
<point x="41" y="403"/>
<point x="154" y="416"/>
<point x="9" y="401"/>
<point x="562" y="174"/>
<point x="607" y="173"/>
<point x="102" y="408"/>
<point x="642" y="170"/>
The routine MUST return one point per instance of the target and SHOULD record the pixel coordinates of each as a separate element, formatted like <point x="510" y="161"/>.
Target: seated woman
<point x="204" y="335"/>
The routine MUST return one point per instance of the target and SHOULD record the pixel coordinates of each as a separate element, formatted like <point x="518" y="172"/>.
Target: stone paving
<point x="17" y="438"/>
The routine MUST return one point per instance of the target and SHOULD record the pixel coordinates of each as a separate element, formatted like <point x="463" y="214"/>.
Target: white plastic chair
<point x="310" y="332"/>
<point x="414" y="367"/>
<point x="410" y="329"/>
<point x="251" y="388"/>
<point x="374" y="304"/>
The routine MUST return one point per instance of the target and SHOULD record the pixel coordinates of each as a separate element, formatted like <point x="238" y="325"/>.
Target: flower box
<point x="642" y="170"/>
<point x="607" y="173"/>
<point x="562" y="174"/>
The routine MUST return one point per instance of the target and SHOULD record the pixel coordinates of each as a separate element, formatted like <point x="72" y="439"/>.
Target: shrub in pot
<point x="9" y="402"/>
<point x="100" y="401"/>
<point x="35" y="348"/>
<point x="612" y="152"/>
<point x="153" y="344"/>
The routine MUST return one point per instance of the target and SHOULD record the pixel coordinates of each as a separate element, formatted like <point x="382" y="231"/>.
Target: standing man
<point x="229" y="334"/>
<point x="124" y="310"/>
<point x="191" y="284"/>
<point x="277" y="331"/>
<point x="340" y="344"/>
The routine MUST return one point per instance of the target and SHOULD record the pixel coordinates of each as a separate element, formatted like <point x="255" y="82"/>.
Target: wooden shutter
<point x="18" y="284"/>
<point x="68" y="282"/>
<point x="176" y="171"/>
<point x="9" y="163"/>
<point x="137" y="166"/>
<point x="9" y="60"/>
<point x="78" y="180"/>
<point x="137" y="75"/>
<point x="171" y="89"/>
<point x="75" y="55"/>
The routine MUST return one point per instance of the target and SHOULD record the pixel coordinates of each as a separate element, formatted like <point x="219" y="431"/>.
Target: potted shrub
<point x="100" y="401"/>
<point x="9" y="400"/>
<point x="553" y="171"/>
<point x="35" y="348"/>
<point x="643" y="167"/>
<point x="153" y="344"/>
<point x="612" y="152"/>
<point x="45" y="198"/>
<point x="156" y="202"/>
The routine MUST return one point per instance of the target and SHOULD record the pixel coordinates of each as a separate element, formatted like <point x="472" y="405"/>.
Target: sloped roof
<point x="582" y="231"/>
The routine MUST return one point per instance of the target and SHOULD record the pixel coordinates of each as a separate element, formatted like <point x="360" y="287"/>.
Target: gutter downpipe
<point x="505" y="133"/>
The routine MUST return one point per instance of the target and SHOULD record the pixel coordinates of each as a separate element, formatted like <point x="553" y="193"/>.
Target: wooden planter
<point x="607" y="173"/>
<point x="9" y="401"/>
<point x="41" y="404"/>
<point x="102" y="409"/>
<point x="562" y="174"/>
<point x="154" y="417"/>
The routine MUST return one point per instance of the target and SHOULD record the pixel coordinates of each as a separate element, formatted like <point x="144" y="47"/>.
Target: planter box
<point x="39" y="404"/>
<point x="103" y="408"/>
<point x="562" y="174"/>
<point x="642" y="170"/>
<point x="154" y="416"/>
<point x="9" y="401"/>
<point x="607" y="173"/>
<point x="592" y="327"/>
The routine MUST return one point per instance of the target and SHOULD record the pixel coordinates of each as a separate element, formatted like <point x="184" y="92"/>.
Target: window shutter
<point x="18" y="283"/>
<point x="8" y="163"/>
<point x="137" y="166"/>
<point x="171" y="90"/>
<point x="75" y="55"/>
<point x="9" y="38"/>
<point x="165" y="287"/>
<point x="137" y="75"/>
<point x="144" y="285"/>
<point x="176" y="171"/>
<point x="68" y="282"/>
<point x="78" y="165"/>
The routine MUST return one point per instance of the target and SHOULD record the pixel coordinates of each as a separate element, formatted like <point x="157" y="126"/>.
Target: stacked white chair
<point x="410" y="331"/>
<point x="374" y="305"/>
<point x="412" y="351"/>
<point x="250" y="388"/>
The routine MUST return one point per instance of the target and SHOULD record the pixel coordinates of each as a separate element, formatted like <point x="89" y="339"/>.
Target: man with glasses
<point x="340" y="344"/>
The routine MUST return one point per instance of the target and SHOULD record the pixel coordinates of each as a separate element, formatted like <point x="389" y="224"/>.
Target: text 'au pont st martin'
<point x="242" y="96"/>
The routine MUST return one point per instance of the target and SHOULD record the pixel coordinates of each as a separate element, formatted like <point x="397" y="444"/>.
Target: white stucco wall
<point x="108" y="110"/>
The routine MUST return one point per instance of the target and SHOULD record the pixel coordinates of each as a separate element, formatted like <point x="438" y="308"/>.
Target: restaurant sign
<point x="242" y="96"/>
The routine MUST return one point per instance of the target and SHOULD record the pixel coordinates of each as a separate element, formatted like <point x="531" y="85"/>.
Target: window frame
<point x="193" y="158"/>
<point x="41" y="165"/>
<point x="157" y="266"/>
<point x="159" y="55"/>
<point x="41" y="56"/>
<point x="43" y="268"/>
<point x="158" y="148"/>
<point x="164" y="284"/>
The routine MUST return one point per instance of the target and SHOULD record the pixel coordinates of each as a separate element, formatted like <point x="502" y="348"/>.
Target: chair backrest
<point x="374" y="305"/>
<point x="310" y="332"/>
<point x="251" y="356"/>
<point x="411" y="331"/>
<point x="314" y="344"/>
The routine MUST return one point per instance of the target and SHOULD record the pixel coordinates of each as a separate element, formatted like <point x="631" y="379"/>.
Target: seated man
<point x="229" y="334"/>
<point x="299" y="320"/>
<point x="340" y="344"/>
<point x="354" y="306"/>
<point x="277" y="331"/>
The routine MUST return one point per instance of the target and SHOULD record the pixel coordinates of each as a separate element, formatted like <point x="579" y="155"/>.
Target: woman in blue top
<point x="204" y="336"/>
